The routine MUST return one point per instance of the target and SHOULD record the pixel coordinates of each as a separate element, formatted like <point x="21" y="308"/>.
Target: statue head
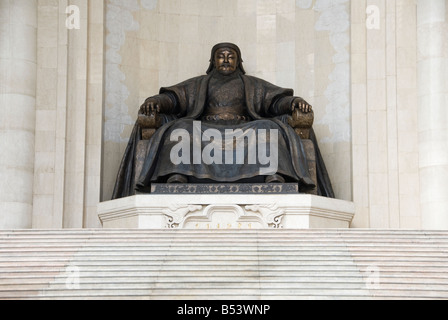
<point x="226" y="58"/>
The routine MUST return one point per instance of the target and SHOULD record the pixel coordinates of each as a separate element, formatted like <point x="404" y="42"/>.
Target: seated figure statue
<point x="198" y="113"/>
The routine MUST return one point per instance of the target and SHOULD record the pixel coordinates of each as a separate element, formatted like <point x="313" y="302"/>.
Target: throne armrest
<point x="302" y="123"/>
<point x="149" y="124"/>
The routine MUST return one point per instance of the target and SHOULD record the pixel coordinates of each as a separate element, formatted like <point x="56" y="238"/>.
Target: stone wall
<point x="294" y="44"/>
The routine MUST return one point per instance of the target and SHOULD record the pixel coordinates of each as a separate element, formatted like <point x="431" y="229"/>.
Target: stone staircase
<point x="223" y="264"/>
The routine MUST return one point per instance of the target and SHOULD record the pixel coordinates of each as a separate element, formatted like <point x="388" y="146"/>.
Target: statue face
<point x="226" y="61"/>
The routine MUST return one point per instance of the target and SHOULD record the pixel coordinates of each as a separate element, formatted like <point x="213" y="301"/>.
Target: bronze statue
<point x="225" y="98"/>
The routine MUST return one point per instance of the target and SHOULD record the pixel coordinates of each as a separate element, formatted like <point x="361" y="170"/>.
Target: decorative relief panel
<point x="224" y="217"/>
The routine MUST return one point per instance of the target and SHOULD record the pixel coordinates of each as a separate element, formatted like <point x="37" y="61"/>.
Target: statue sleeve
<point x="167" y="102"/>
<point x="282" y="105"/>
<point x="266" y="99"/>
<point x="183" y="95"/>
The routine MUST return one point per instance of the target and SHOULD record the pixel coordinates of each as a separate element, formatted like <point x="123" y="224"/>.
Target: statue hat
<point x="230" y="46"/>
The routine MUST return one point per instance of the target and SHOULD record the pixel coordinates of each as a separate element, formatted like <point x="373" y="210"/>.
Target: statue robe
<point x="261" y="98"/>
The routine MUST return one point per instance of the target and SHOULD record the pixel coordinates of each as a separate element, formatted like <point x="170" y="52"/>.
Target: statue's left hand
<point x="302" y="105"/>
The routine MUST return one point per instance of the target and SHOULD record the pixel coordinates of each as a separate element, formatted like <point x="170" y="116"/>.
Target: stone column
<point x="433" y="112"/>
<point x="18" y="56"/>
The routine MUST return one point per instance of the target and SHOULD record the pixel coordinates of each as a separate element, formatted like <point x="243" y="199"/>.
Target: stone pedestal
<point x="226" y="211"/>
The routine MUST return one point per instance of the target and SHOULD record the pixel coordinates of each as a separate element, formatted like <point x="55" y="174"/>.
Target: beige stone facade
<point x="74" y="73"/>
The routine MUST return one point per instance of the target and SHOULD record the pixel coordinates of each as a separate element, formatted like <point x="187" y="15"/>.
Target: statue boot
<point x="276" y="178"/>
<point x="177" y="178"/>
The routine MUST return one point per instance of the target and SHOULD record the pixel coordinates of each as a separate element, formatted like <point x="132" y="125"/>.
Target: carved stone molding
<point x="224" y="217"/>
<point x="270" y="213"/>
<point x="176" y="214"/>
<point x="228" y="188"/>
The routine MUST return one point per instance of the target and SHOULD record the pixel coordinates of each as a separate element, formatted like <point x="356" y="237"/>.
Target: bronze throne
<point x="301" y="122"/>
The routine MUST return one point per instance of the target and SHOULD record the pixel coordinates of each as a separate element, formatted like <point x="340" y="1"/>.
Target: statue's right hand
<point x="150" y="106"/>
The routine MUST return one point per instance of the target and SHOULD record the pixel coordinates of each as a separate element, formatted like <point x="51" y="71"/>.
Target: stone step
<point x="264" y="295"/>
<point x="220" y="264"/>
<point x="221" y="254"/>
<point x="204" y="268"/>
<point x="123" y="277"/>
<point x="180" y="237"/>
<point x="198" y="248"/>
<point x="100" y="278"/>
<point x="227" y="284"/>
<point x="234" y="240"/>
<point x="254" y="294"/>
<point x="128" y="283"/>
<point x="387" y="246"/>
<point x="165" y="262"/>
<point x="247" y="233"/>
<point x="297" y="258"/>
<point x="224" y="234"/>
<point x="217" y="234"/>
<point x="197" y="275"/>
<point x="261" y="264"/>
<point x="310" y="272"/>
